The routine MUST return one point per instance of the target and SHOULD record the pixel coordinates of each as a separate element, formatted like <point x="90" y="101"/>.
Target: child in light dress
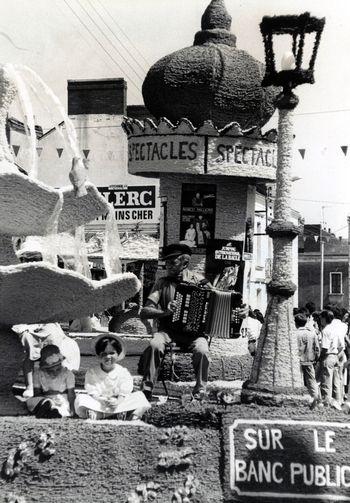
<point x="54" y="393"/>
<point x="34" y="337"/>
<point x="109" y="385"/>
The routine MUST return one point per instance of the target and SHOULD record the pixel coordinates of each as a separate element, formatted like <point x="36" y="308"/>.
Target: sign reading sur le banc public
<point x="288" y="460"/>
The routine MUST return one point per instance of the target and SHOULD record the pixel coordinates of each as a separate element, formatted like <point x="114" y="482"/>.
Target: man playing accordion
<point x="160" y="306"/>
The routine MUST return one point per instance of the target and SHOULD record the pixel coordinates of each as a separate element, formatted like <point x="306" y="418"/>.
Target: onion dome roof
<point x="211" y="79"/>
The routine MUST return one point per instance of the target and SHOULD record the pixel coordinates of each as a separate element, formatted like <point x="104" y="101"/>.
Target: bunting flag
<point x="344" y="149"/>
<point x="39" y="150"/>
<point x="86" y="153"/>
<point x="16" y="149"/>
<point x="316" y="238"/>
<point x="304" y="238"/>
<point x="302" y="152"/>
<point x="59" y="151"/>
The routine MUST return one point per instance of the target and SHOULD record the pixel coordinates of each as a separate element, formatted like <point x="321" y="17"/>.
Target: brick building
<point x="335" y="267"/>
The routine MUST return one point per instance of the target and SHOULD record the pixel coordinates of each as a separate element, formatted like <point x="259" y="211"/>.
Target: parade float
<point x="270" y="448"/>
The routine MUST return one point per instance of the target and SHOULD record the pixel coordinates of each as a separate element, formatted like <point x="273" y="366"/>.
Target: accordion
<point x="211" y="312"/>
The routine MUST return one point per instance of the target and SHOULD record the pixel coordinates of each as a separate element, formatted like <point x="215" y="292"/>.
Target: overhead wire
<point x="321" y="201"/>
<point x="118" y="39"/>
<point x="324" y="112"/>
<point x="123" y="32"/>
<point x="102" y="46"/>
<point x="107" y="63"/>
<point x="141" y="77"/>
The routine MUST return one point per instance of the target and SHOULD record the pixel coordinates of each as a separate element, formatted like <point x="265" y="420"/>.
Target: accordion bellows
<point x="39" y="293"/>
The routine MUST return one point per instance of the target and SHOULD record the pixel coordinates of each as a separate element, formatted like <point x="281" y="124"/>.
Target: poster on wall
<point x="197" y="226"/>
<point x="132" y="203"/>
<point x="224" y="265"/>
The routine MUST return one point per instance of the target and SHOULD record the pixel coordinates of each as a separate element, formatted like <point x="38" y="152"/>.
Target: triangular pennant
<point x="15" y="149"/>
<point x="304" y="238"/>
<point x="316" y="238"/>
<point x="39" y="150"/>
<point x="86" y="153"/>
<point x="344" y="149"/>
<point x="59" y="151"/>
<point x="302" y="152"/>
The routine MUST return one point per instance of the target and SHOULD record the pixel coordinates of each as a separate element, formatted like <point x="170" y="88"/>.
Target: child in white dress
<point x="54" y="393"/>
<point x="109" y="385"/>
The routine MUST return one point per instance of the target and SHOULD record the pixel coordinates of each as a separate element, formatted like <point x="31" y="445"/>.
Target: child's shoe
<point x="54" y="413"/>
<point x="28" y="392"/>
<point x="44" y="410"/>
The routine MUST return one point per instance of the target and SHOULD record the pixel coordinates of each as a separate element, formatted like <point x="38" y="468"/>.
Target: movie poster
<point x="197" y="224"/>
<point x="224" y="264"/>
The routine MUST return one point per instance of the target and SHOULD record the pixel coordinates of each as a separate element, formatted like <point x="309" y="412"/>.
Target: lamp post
<point x="275" y="375"/>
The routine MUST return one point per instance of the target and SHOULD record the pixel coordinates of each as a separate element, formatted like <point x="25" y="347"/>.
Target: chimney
<point x="101" y="96"/>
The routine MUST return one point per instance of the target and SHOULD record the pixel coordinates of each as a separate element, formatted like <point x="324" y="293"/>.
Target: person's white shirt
<point x="341" y="330"/>
<point x="333" y="337"/>
<point x="250" y="328"/>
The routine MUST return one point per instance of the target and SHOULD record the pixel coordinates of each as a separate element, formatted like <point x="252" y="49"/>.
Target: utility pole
<point x="322" y="260"/>
<point x="322" y="256"/>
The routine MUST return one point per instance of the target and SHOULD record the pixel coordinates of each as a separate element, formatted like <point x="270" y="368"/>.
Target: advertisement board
<point x="133" y="203"/>
<point x="198" y="205"/>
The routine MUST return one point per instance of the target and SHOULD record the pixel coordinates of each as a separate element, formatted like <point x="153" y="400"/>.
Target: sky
<point x="90" y="39"/>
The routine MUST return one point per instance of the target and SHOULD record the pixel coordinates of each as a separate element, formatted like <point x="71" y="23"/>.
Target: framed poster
<point x="198" y="204"/>
<point x="224" y="265"/>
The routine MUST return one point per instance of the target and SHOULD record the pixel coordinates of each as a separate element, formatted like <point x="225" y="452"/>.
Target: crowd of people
<point x="324" y="350"/>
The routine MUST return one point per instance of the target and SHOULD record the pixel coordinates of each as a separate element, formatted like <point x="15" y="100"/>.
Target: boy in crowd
<point x="309" y="353"/>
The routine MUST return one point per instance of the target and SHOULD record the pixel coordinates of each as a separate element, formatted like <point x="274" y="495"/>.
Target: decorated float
<point x="209" y="154"/>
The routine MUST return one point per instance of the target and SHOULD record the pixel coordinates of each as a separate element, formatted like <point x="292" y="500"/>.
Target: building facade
<point x="335" y="268"/>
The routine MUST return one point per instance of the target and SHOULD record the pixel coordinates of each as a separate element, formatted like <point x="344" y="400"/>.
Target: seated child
<point x="34" y="338"/>
<point x="54" y="393"/>
<point x="109" y="385"/>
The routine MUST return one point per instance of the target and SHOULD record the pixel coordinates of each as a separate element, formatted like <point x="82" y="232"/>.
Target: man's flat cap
<point x="175" y="250"/>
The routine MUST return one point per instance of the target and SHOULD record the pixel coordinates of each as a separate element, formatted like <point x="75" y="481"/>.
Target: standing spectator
<point x="331" y="346"/>
<point x="250" y="328"/>
<point x="341" y="329"/>
<point x="311" y="307"/>
<point x="309" y="352"/>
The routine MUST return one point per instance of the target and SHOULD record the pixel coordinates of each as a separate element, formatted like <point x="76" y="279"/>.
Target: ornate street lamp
<point x="275" y="375"/>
